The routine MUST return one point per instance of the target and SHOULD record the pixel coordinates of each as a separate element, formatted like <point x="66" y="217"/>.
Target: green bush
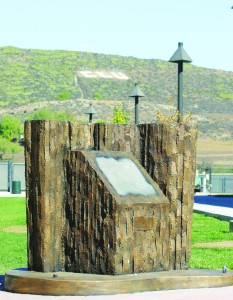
<point x="119" y="116"/>
<point x="97" y="96"/>
<point x="44" y="114"/>
<point x="63" y="96"/>
<point x="10" y="127"/>
<point x="8" y="147"/>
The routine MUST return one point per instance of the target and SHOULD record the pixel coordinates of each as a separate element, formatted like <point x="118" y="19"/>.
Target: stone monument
<point x="105" y="203"/>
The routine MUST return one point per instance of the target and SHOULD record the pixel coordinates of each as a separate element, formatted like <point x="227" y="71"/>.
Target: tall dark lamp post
<point x="180" y="57"/>
<point x="136" y="93"/>
<point x="90" y="111"/>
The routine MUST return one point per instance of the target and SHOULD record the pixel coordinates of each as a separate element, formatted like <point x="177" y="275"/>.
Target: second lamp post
<point x="136" y="93"/>
<point x="90" y="111"/>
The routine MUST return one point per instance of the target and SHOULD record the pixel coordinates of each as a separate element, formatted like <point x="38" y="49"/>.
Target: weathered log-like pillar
<point x="45" y="146"/>
<point x="168" y="153"/>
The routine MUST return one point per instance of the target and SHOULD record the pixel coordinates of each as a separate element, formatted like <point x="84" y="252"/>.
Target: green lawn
<point x="207" y="229"/>
<point x="13" y="249"/>
<point x="13" y="253"/>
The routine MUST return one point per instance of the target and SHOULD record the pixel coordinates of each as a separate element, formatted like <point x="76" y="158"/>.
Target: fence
<point x="11" y="172"/>
<point x="222" y="184"/>
<point x="218" y="183"/>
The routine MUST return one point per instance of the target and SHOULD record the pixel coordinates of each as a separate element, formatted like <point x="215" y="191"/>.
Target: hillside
<point x="38" y="78"/>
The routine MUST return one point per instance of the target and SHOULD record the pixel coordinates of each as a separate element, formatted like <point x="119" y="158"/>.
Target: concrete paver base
<point x="62" y="283"/>
<point x="180" y="294"/>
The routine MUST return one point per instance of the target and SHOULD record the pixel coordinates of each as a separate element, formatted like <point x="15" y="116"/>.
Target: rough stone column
<point x="46" y="142"/>
<point x="168" y="153"/>
<point x="117" y="138"/>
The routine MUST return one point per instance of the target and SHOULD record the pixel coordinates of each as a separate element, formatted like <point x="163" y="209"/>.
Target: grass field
<point x="13" y="249"/>
<point x="208" y="230"/>
<point x="13" y="253"/>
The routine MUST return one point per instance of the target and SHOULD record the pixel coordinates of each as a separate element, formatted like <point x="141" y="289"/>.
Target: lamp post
<point x="208" y="172"/>
<point x="180" y="57"/>
<point x="90" y="111"/>
<point x="136" y="93"/>
<point x="9" y="175"/>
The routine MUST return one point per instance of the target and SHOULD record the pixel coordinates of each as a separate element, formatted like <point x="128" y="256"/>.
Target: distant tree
<point x="204" y="165"/>
<point x="44" y="114"/>
<point x="10" y="127"/>
<point x="119" y="116"/>
<point x="41" y="114"/>
<point x="8" y="147"/>
<point x="97" y="96"/>
<point x="64" y="116"/>
<point x="63" y="96"/>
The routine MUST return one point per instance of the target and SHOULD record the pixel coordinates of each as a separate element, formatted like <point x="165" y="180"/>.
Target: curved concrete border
<point x="62" y="283"/>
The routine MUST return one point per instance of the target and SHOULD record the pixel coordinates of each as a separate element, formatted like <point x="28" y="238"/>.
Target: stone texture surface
<point x="107" y="233"/>
<point x="167" y="152"/>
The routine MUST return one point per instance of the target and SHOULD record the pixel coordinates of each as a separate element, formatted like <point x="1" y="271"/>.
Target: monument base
<point x="63" y="283"/>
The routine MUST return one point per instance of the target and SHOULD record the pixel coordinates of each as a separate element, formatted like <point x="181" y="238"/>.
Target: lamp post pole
<point x="180" y="88"/>
<point x="180" y="57"/>
<point x="90" y="111"/>
<point x="90" y="117"/>
<point x="136" y="110"/>
<point x="136" y="93"/>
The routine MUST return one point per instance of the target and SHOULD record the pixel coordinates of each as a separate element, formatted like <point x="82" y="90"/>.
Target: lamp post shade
<point x="90" y="111"/>
<point x="180" y="57"/>
<point x="136" y="93"/>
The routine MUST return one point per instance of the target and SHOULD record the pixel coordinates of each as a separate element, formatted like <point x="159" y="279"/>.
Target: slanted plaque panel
<point x="114" y="227"/>
<point x="124" y="175"/>
<point x="168" y="153"/>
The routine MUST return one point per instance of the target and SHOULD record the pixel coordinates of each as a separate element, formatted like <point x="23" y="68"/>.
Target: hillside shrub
<point x="10" y="127"/>
<point x="63" y="96"/>
<point x="119" y="116"/>
<point x="174" y="116"/>
<point x="97" y="96"/>
<point x="8" y="147"/>
<point x="44" y="114"/>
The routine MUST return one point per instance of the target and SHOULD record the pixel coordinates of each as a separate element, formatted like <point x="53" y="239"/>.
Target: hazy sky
<point x="139" y="28"/>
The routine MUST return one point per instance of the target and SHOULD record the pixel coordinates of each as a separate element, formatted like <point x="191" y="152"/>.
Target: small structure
<point x="119" y="217"/>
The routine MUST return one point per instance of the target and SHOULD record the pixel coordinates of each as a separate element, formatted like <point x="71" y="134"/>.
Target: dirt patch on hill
<point x="15" y="229"/>
<point x="223" y="244"/>
<point x="215" y="151"/>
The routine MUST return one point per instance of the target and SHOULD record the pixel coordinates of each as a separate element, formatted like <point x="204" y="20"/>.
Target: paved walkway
<point x="7" y="194"/>
<point x="222" y="213"/>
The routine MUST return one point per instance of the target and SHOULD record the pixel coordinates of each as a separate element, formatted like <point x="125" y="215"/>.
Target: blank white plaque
<point x="125" y="177"/>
